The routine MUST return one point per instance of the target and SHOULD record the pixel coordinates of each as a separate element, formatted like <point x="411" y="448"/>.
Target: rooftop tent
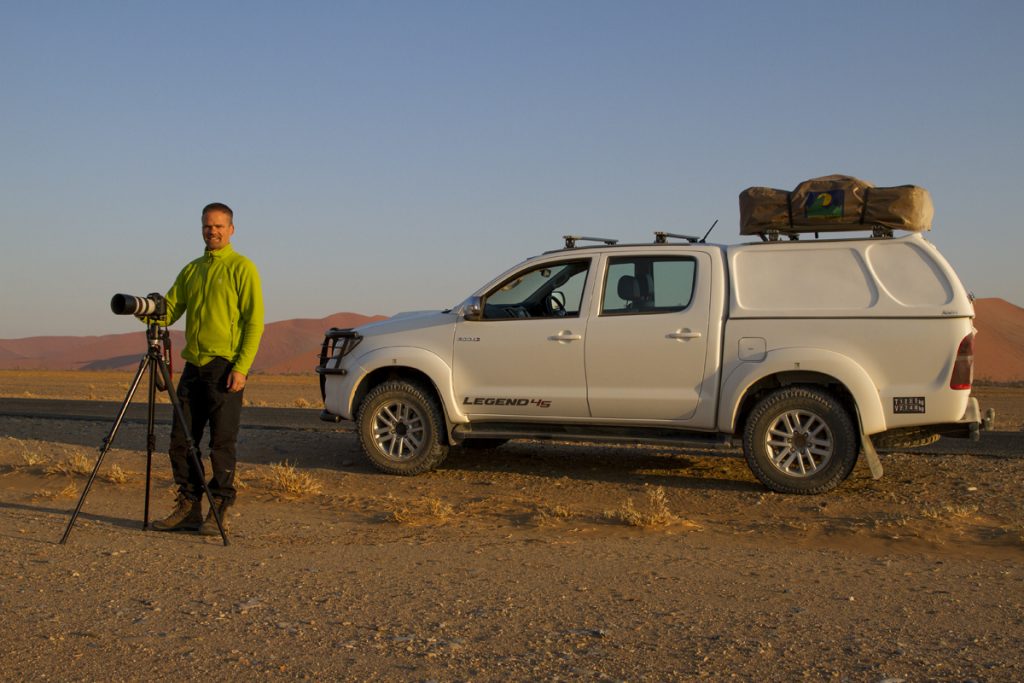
<point x="834" y="203"/>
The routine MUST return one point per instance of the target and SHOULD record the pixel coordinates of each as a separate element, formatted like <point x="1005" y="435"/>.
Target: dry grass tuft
<point x="418" y="512"/>
<point x="69" y="491"/>
<point x="75" y="463"/>
<point x="549" y="516"/>
<point x="950" y="511"/>
<point x="287" y="482"/>
<point x="115" y="475"/>
<point x="30" y="456"/>
<point x="657" y="514"/>
<point x="302" y="403"/>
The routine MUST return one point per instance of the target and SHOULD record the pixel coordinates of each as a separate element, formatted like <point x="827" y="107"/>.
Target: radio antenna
<point x="705" y="237"/>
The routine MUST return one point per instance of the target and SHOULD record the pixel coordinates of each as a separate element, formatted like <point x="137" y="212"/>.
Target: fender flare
<point x="843" y="369"/>
<point x="418" y="360"/>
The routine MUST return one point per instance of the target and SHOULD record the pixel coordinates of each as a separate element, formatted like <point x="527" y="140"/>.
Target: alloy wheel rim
<point x="399" y="430"/>
<point x="799" y="443"/>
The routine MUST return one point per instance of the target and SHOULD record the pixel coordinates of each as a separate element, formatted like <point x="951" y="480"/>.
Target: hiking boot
<point x="186" y="516"/>
<point x="209" y="526"/>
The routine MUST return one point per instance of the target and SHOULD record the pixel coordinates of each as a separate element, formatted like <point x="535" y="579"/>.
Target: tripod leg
<point x="150" y="439"/>
<point x="143" y="364"/>
<point x="192" y="450"/>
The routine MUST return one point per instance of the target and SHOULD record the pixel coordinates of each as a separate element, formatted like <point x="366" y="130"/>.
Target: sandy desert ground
<point x="535" y="561"/>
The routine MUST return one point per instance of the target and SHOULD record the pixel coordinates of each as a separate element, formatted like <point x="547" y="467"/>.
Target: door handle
<point x="683" y="334"/>
<point x="565" y="336"/>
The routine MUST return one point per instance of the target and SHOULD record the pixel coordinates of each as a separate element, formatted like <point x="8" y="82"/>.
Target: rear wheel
<point x="400" y="427"/>
<point x="800" y="440"/>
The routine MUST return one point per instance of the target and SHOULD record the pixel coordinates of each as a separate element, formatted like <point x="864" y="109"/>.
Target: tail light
<point x="963" y="368"/>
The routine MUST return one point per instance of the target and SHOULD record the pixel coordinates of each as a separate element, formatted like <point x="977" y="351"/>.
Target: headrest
<point x="629" y="288"/>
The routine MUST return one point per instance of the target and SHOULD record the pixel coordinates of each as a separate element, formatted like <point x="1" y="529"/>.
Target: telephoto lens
<point x="126" y="304"/>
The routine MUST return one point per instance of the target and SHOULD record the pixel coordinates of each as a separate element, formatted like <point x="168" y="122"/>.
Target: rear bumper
<point x="970" y="425"/>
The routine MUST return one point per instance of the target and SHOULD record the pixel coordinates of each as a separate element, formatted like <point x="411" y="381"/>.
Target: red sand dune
<point x="999" y="346"/>
<point x="292" y="346"/>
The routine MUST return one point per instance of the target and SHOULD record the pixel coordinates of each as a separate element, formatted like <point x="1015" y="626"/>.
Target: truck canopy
<point x="902" y="277"/>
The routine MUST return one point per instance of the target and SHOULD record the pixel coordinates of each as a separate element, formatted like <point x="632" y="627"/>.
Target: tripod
<point x="153" y="360"/>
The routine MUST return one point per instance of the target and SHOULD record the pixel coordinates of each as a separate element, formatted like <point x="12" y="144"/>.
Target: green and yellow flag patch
<point x="827" y="204"/>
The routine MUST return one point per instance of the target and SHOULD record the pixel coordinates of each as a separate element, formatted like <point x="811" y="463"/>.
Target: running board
<point x="576" y="432"/>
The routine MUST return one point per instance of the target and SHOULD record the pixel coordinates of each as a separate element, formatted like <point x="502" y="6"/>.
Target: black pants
<point x="204" y="399"/>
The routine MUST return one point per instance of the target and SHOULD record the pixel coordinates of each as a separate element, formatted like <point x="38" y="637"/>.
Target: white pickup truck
<point x="810" y="352"/>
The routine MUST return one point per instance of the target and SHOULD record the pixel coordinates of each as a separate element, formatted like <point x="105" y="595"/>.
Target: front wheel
<point x="399" y="425"/>
<point x="800" y="440"/>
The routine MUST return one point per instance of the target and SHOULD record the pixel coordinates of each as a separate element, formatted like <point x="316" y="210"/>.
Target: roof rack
<point x="772" y="235"/>
<point x="662" y="237"/>
<point x="571" y="240"/>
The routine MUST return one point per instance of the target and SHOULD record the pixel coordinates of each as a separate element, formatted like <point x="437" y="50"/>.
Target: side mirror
<point x="473" y="309"/>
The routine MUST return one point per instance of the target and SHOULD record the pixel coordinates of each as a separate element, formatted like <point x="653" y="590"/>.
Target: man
<point x="219" y="294"/>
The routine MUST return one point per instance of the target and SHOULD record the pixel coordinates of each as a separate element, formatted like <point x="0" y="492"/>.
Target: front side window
<point x="546" y="291"/>
<point x="649" y="284"/>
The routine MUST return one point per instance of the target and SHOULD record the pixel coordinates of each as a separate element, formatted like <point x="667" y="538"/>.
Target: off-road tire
<point x="904" y="437"/>
<point x="800" y="440"/>
<point x="400" y="427"/>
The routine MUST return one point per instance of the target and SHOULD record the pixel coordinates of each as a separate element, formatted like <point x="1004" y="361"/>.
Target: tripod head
<point x="158" y="337"/>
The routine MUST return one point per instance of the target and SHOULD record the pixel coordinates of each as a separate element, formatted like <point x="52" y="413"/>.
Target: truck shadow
<point x="671" y="467"/>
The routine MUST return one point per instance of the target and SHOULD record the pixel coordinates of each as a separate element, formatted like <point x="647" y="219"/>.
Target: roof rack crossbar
<point x="571" y="240"/>
<point x="662" y="237"/>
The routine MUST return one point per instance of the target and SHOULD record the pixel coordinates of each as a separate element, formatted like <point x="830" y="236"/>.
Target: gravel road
<point x="554" y="561"/>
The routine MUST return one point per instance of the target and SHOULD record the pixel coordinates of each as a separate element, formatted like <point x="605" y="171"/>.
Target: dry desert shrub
<point x="33" y="458"/>
<point x="418" y="512"/>
<point x="287" y="482"/>
<point x="549" y="515"/>
<point x="115" y="475"/>
<point x="69" y="491"/>
<point x="29" y="454"/>
<point x="75" y="463"/>
<point x="302" y="403"/>
<point x="656" y="515"/>
<point x="949" y="511"/>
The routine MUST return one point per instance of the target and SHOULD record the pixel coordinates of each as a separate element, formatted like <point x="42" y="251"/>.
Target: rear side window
<point x="650" y="284"/>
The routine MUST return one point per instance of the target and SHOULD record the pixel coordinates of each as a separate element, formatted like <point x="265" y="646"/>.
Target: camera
<point x="152" y="305"/>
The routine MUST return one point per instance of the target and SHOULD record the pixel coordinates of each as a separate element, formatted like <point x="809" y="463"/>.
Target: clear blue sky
<point x="387" y="156"/>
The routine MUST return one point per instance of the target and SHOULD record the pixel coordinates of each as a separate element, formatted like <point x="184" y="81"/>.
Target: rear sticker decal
<point x="908" y="404"/>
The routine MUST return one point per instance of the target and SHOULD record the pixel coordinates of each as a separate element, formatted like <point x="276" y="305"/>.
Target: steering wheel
<point x="554" y="305"/>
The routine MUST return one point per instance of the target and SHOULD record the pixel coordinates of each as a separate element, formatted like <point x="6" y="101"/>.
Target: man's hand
<point x="236" y="381"/>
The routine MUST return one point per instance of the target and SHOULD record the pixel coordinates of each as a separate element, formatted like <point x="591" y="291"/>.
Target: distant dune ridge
<point x="999" y="346"/>
<point x="291" y="346"/>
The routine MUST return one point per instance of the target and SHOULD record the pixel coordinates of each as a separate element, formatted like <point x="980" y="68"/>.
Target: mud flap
<point x="871" y="455"/>
<point x="868" y="450"/>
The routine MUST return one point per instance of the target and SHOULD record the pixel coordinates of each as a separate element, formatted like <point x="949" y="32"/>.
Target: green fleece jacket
<point x="220" y="292"/>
